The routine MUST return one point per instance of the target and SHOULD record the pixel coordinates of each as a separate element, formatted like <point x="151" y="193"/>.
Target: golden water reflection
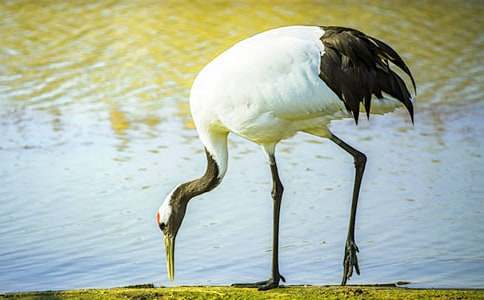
<point x="138" y="57"/>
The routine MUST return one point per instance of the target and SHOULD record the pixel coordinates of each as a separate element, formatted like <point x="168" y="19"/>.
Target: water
<point x="95" y="130"/>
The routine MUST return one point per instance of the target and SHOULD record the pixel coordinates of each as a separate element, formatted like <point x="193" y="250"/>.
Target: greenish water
<point x="95" y="130"/>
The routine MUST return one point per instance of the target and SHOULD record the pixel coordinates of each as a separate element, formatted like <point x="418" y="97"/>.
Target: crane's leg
<point x="350" y="259"/>
<point x="277" y="190"/>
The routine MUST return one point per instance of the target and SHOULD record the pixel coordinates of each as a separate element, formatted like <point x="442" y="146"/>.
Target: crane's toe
<point x="262" y="285"/>
<point x="350" y="261"/>
<point x="271" y="284"/>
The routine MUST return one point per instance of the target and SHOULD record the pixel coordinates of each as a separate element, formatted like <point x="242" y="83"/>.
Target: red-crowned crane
<point x="269" y="87"/>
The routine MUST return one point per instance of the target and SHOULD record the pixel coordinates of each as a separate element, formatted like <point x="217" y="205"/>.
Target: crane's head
<point x="169" y="218"/>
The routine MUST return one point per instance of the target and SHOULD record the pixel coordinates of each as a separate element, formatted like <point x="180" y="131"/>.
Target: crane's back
<point x="266" y="87"/>
<point x="291" y="79"/>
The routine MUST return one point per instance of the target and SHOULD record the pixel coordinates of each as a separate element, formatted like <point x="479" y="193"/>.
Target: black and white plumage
<point x="271" y="86"/>
<point x="356" y="66"/>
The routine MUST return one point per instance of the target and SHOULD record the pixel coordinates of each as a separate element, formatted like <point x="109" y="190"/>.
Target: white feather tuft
<point x="165" y="209"/>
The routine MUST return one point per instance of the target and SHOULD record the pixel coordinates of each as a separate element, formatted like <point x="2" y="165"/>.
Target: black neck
<point x="204" y="184"/>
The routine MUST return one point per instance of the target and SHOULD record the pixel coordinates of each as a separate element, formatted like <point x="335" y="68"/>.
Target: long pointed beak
<point x="170" y="256"/>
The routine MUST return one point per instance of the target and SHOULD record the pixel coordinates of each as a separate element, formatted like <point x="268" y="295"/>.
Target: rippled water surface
<point x="95" y="130"/>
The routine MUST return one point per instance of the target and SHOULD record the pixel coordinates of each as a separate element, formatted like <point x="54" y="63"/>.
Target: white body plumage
<point x="266" y="88"/>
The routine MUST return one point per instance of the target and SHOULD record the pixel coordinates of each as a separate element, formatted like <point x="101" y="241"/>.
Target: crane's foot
<point x="265" y="285"/>
<point x="350" y="260"/>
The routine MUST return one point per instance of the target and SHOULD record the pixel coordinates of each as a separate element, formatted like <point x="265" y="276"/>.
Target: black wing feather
<point x="355" y="66"/>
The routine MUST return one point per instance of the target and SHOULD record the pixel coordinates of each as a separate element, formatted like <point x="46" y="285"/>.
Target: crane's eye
<point x="162" y="226"/>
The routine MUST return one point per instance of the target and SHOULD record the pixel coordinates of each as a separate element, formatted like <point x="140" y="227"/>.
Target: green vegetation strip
<point x="292" y="292"/>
